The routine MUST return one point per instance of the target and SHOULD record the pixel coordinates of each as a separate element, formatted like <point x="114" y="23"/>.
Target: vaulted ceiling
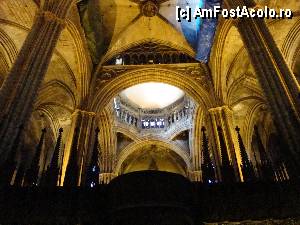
<point x="111" y="26"/>
<point x="116" y="24"/>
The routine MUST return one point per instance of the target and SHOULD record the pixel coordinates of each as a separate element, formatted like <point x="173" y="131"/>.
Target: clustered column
<point x="78" y="148"/>
<point x="222" y="126"/>
<point x="277" y="80"/>
<point x="19" y="90"/>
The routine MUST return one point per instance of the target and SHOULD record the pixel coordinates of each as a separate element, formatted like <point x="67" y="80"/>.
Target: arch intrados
<point x="188" y="84"/>
<point x="131" y="148"/>
<point x="57" y="85"/>
<point x="127" y="133"/>
<point x="295" y="57"/>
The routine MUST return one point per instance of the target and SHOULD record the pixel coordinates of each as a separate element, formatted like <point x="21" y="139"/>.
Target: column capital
<point x="50" y="16"/>
<point x="219" y="109"/>
<point x="77" y="111"/>
<point x="105" y="178"/>
<point x="55" y="10"/>
<point x="195" y="175"/>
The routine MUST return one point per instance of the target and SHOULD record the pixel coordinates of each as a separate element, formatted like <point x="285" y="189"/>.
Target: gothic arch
<point x="217" y="54"/>
<point x="124" y="130"/>
<point x="185" y="82"/>
<point x="196" y="143"/>
<point x="83" y="60"/>
<point x="49" y="112"/>
<point x="138" y="145"/>
<point x="182" y="127"/>
<point x="252" y="118"/>
<point x="107" y="140"/>
<point x="8" y="54"/>
<point x="291" y="44"/>
<point x="57" y="87"/>
<point x="244" y="81"/>
<point x="80" y="78"/>
<point x="8" y="46"/>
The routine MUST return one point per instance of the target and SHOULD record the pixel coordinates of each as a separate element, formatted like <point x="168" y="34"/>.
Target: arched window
<point x="149" y="53"/>
<point x="126" y="59"/>
<point x="182" y="58"/>
<point x="134" y="60"/>
<point x="150" y="59"/>
<point x="143" y="59"/>
<point x="175" y="58"/>
<point x="158" y="59"/>
<point x="167" y="58"/>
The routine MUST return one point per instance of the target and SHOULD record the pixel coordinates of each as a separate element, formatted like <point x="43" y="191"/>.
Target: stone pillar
<point x="93" y="168"/>
<point x="277" y="81"/>
<point x="105" y="178"/>
<point x="82" y="122"/>
<point x="19" y="90"/>
<point x="207" y="167"/>
<point x="222" y="117"/>
<point x="195" y="175"/>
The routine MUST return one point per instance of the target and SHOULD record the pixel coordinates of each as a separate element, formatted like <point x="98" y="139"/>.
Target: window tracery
<point x="150" y="53"/>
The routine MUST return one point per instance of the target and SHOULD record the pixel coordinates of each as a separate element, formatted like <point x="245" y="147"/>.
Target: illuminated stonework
<point x="157" y="120"/>
<point x="138" y="41"/>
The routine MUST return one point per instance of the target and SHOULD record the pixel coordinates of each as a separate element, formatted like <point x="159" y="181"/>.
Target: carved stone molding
<point x="199" y="72"/>
<point x="108" y="73"/>
<point x="195" y="175"/>
<point x="83" y="112"/>
<point x="49" y="16"/>
<point x="105" y="178"/>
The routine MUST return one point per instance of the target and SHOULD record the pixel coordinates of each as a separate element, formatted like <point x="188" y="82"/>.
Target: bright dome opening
<point x="152" y="95"/>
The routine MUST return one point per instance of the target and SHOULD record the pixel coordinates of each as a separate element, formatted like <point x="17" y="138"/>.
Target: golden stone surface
<point x="73" y="83"/>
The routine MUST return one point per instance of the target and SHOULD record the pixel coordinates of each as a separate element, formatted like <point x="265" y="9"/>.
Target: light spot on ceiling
<point x="152" y="95"/>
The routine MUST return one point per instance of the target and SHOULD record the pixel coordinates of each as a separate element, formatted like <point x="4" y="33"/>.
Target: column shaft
<point x="277" y="80"/>
<point x="84" y="123"/>
<point x="19" y="90"/>
<point x="222" y="117"/>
